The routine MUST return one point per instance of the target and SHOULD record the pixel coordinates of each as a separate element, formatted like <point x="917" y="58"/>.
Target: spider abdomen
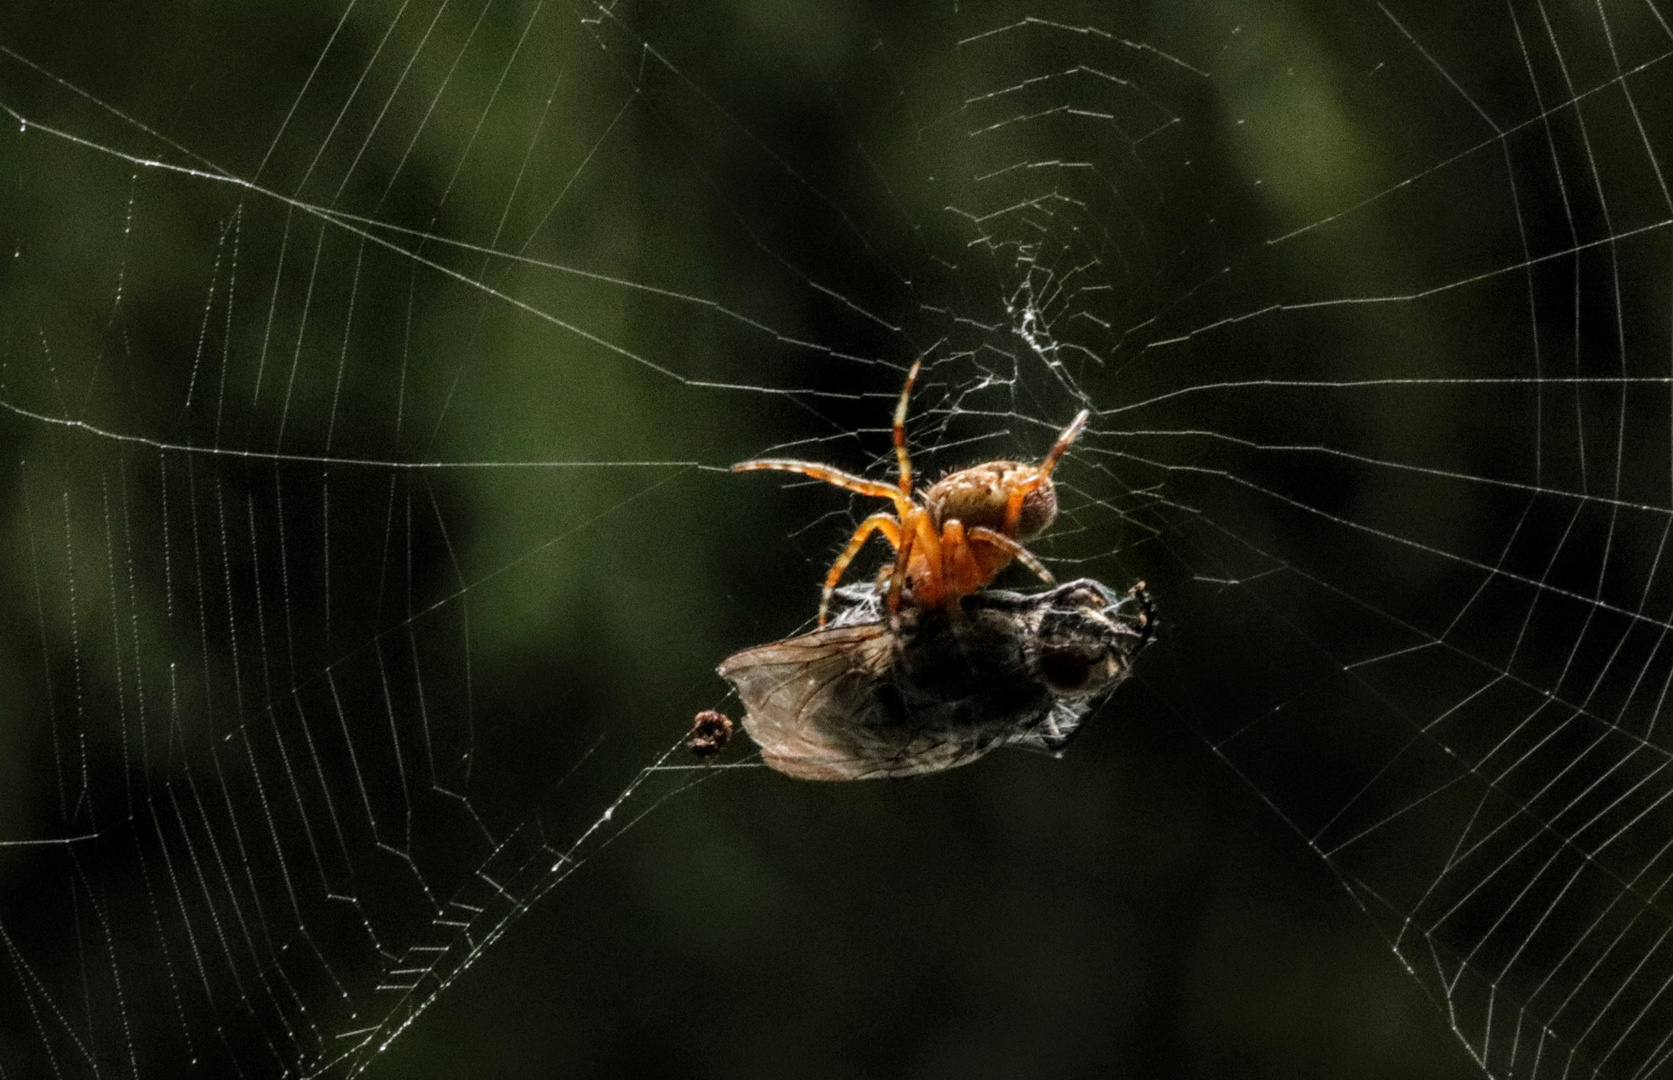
<point x="978" y="496"/>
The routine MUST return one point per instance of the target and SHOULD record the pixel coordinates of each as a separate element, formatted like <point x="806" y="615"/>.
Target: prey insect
<point x="927" y="691"/>
<point x="969" y="526"/>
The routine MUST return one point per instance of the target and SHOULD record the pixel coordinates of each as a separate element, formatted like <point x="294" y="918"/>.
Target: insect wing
<point x="802" y="692"/>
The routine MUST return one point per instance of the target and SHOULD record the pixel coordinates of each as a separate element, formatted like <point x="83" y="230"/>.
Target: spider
<point x="967" y="529"/>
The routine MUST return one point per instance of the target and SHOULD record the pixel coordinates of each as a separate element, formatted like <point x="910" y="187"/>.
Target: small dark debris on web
<point x="710" y="732"/>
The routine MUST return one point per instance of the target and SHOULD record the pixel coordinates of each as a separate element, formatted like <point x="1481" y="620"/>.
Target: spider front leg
<point x="902" y="458"/>
<point x="882" y="522"/>
<point x="857" y="484"/>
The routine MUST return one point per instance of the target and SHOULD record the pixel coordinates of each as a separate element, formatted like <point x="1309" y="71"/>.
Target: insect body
<point x="968" y="528"/>
<point x="929" y="691"/>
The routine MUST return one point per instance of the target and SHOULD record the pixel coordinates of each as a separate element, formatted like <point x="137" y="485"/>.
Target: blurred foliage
<point x="1131" y="910"/>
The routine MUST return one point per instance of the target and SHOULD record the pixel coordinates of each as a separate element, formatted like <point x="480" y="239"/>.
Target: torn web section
<point x="1063" y="145"/>
<point x="1004" y="225"/>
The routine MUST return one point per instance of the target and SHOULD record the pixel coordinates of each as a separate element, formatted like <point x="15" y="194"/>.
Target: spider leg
<point x="1013" y="503"/>
<point x="881" y="522"/>
<point x="1021" y="491"/>
<point x="1014" y="550"/>
<point x="917" y="540"/>
<point x="1070" y="434"/>
<point x="903" y="556"/>
<point x="963" y="575"/>
<point x="857" y="484"/>
<point x="900" y="431"/>
<point x="935" y="567"/>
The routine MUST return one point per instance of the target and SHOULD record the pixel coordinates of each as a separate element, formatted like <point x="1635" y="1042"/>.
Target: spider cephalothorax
<point x="967" y="529"/>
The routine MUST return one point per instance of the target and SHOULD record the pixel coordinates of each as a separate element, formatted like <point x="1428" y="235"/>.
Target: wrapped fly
<point x="933" y="689"/>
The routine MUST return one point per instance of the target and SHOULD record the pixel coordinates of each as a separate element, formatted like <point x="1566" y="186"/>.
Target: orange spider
<point x="965" y="531"/>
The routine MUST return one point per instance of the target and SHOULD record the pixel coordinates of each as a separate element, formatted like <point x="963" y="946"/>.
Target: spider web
<point x="371" y="538"/>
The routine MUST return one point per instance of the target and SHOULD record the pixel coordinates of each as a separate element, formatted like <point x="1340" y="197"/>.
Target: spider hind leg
<point x="1012" y="550"/>
<point x="1061" y="446"/>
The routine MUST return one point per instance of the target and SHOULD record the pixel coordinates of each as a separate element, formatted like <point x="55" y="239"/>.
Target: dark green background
<point x="1136" y="909"/>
